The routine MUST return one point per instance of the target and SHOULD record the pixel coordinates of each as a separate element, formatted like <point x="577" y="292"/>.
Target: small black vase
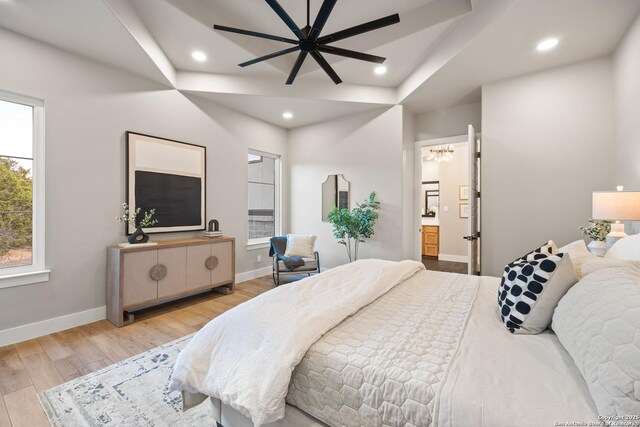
<point x="138" y="236"/>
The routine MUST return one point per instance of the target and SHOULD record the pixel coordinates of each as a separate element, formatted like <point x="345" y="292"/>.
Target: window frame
<point x="36" y="272"/>
<point x="263" y="242"/>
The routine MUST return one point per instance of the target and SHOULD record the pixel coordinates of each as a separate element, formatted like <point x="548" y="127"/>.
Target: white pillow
<point x="598" y="323"/>
<point x="579" y="247"/>
<point x="626" y="248"/>
<point x="300" y="245"/>
<point x="579" y="255"/>
<point x="593" y="265"/>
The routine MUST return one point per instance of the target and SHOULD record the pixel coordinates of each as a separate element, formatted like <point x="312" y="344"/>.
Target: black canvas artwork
<point x="175" y="198"/>
<point x="169" y="177"/>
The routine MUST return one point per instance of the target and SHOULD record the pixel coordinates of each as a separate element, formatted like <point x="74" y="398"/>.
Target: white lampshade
<point x="616" y="205"/>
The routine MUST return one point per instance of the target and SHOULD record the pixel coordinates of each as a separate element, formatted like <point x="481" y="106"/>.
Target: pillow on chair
<point x="300" y="245"/>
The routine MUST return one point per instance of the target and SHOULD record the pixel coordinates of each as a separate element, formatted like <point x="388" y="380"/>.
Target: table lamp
<point x="616" y="206"/>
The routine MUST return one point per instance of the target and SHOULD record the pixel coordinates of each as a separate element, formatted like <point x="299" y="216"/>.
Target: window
<point x="264" y="196"/>
<point x="21" y="190"/>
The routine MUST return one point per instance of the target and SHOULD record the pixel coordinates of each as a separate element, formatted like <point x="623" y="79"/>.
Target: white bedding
<point x="384" y="365"/>
<point x="498" y="379"/>
<point x="598" y="323"/>
<point x="245" y="356"/>
<point x="479" y="375"/>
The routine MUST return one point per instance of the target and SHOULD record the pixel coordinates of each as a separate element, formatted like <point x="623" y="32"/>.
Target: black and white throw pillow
<point x="543" y="251"/>
<point x="531" y="287"/>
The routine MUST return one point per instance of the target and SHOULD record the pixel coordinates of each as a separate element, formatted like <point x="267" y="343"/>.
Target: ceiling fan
<point x="309" y="41"/>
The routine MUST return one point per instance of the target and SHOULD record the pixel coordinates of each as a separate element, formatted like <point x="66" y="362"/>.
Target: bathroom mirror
<point x="335" y="192"/>
<point x="431" y="198"/>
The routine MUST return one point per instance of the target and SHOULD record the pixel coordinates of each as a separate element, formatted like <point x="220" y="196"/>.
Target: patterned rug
<point x="133" y="392"/>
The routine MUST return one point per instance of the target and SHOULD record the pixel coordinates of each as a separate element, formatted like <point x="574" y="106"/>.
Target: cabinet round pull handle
<point x="211" y="263"/>
<point x="158" y="272"/>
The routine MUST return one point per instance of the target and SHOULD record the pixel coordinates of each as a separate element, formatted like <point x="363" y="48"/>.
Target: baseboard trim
<point x="453" y="258"/>
<point x="50" y="326"/>
<point x="253" y="274"/>
<point x="57" y="324"/>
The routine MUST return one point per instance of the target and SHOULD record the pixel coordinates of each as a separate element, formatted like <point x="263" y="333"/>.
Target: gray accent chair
<point x="277" y="250"/>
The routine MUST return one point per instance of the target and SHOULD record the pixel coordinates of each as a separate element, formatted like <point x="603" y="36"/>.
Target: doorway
<point x="446" y="214"/>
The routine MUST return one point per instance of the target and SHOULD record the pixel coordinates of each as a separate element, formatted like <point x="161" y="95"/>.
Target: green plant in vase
<point x="138" y="220"/>
<point x="597" y="230"/>
<point x="352" y="227"/>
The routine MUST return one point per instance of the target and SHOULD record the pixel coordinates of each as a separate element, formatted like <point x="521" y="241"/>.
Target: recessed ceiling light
<point x="199" y="56"/>
<point x="380" y="70"/>
<point x="547" y="44"/>
<point x="287" y="115"/>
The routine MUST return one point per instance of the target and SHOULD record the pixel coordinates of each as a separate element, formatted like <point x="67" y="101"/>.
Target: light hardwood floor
<point x="30" y="367"/>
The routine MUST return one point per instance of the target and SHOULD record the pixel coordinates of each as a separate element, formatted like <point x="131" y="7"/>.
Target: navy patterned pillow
<point x="543" y="251"/>
<point x="531" y="287"/>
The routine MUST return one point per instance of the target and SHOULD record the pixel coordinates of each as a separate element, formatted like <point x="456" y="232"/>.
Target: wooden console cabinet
<point x="141" y="276"/>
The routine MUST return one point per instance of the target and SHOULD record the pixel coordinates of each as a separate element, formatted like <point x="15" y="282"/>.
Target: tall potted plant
<point x="352" y="227"/>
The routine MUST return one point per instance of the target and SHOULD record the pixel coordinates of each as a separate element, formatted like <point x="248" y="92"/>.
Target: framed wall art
<point x="463" y="210"/>
<point x="463" y="192"/>
<point x="170" y="177"/>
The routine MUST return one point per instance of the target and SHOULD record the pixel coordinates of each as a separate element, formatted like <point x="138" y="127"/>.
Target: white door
<point x="474" y="195"/>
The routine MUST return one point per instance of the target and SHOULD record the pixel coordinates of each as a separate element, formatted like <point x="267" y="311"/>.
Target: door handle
<point x="470" y="238"/>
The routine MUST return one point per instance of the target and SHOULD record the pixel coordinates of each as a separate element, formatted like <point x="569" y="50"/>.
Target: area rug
<point x="133" y="392"/>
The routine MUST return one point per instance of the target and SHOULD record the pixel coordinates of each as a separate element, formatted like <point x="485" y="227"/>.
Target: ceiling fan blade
<point x="296" y="67"/>
<point x="351" y="54"/>
<point x="271" y="55"/>
<point x="286" y="18"/>
<point x="326" y="67"/>
<point x="254" y="34"/>
<point x="321" y="19"/>
<point x="360" y="29"/>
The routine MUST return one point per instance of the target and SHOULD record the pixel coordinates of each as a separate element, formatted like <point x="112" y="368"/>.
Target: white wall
<point x="626" y="69"/>
<point x="367" y="149"/>
<point x="452" y="121"/>
<point x="89" y="106"/>
<point x="430" y="168"/>
<point x="409" y="232"/>
<point x="453" y="174"/>
<point x="546" y="145"/>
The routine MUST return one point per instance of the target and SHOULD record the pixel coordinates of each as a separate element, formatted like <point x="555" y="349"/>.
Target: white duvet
<point x="265" y="338"/>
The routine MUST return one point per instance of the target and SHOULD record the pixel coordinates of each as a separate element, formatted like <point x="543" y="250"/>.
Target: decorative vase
<point x="138" y="236"/>
<point x="597" y="247"/>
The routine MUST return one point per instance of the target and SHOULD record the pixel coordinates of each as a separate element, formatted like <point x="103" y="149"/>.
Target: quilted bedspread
<point x="245" y="356"/>
<point x="385" y="365"/>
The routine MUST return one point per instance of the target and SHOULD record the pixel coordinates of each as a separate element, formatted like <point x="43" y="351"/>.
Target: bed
<point x="410" y="348"/>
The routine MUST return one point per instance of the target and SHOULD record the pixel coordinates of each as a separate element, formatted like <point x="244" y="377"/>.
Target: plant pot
<point x="597" y="247"/>
<point x="138" y="236"/>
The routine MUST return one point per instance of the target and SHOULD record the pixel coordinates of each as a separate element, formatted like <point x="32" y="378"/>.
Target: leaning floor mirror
<point x="335" y="192"/>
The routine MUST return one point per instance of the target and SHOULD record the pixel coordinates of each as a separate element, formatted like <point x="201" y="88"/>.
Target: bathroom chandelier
<point x="441" y="153"/>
